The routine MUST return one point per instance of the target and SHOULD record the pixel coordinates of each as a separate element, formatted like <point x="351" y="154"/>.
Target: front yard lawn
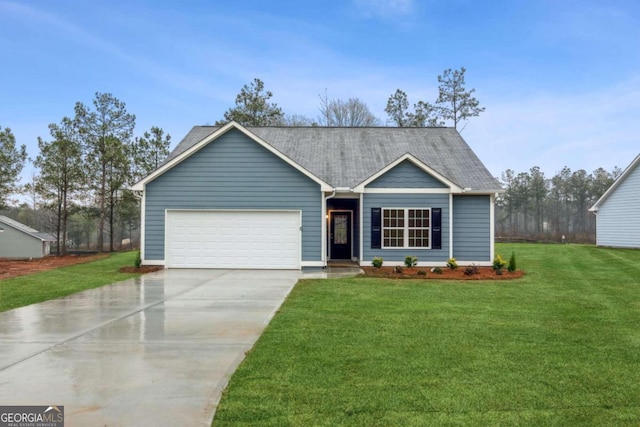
<point x="559" y="347"/>
<point x="20" y="291"/>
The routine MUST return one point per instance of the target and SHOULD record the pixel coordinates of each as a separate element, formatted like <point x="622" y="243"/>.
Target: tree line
<point x="556" y="209"/>
<point x="83" y="170"/>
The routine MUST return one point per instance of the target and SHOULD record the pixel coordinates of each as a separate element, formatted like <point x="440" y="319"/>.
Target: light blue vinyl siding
<point x="233" y="172"/>
<point x="618" y="219"/>
<point x="472" y="228"/>
<point x="406" y="201"/>
<point x="406" y="175"/>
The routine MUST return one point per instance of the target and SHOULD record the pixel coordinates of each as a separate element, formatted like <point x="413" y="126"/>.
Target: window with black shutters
<point x="406" y="228"/>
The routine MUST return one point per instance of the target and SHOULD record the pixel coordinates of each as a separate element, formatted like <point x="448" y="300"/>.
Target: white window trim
<point x="406" y="228"/>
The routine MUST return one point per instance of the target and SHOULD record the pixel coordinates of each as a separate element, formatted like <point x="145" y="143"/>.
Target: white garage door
<point x="233" y="239"/>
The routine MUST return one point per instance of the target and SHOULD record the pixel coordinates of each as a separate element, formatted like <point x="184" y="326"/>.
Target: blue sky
<point x="560" y="80"/>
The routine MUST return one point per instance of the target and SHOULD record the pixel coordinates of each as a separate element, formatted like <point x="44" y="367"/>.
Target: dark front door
<point x="340" y="235"/>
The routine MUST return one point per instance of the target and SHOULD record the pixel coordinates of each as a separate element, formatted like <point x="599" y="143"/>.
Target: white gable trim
<point x="616" y="184"/>
<point x="139" y="186"/>
<point x="453" y="188"/>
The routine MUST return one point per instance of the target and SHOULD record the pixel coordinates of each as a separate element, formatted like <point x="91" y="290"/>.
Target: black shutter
<point x="436" y="228"/>
<point x="376" y="229"/>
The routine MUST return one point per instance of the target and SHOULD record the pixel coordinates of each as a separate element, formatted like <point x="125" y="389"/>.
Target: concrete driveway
<point x="156" y="350"/>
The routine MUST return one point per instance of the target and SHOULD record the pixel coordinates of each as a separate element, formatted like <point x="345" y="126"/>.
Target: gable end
<point x="408" y="173"/>
<point x="214" y="136"/>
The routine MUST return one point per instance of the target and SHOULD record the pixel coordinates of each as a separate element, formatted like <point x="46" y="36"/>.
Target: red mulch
<point x="16" y="267"/>
<point x="486" y="273"/>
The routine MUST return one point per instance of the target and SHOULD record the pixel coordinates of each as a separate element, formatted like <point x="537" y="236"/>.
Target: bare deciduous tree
<point x="349" y="113"/>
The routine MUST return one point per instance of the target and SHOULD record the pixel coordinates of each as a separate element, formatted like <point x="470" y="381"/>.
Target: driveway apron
<point x="155" y="350"/>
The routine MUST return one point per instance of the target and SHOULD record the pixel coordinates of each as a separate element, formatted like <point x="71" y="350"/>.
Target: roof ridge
<point x="336" y="154"/>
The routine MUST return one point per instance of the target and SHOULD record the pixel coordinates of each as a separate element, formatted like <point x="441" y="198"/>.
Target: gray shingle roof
<point x="26" y="229"/>
<point x="345" y="157"/>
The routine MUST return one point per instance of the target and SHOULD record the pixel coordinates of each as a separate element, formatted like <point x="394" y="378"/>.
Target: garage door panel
<point x="233" y="239"/>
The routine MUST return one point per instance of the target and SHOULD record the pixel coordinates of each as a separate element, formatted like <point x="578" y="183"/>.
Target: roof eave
<point x="35" y="236"/>
<point x="22" y="230"/>
<point x="483" y="192"/>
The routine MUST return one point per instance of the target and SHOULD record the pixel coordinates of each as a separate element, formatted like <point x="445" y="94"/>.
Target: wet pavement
<point x="332" y="273"/>
<point x="156" y="350"/>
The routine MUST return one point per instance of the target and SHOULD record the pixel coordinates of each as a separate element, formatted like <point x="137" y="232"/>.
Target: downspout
<point x="492" y="226"/>
<point x="361" y="228"/>
<point x="140" y="195"/>
<point x="450" y="225"/>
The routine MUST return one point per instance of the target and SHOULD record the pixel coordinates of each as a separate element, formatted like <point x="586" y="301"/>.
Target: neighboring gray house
<point x="19" y="241"/>
<point x="293" y="197"/>
<point x="618" y="211"/>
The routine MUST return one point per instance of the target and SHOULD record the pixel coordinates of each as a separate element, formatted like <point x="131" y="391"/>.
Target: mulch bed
<point x="485" y="273"/>
<point x="22" y="267"/>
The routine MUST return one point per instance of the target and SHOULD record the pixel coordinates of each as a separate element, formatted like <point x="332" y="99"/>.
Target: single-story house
<point x="294" y="197"/>
<point x="20" y="241"/>
<point x="617" y="211"/>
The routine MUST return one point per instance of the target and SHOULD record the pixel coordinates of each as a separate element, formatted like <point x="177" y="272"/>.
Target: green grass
<point x="559" y="347"/>
<point x="34" y="288"/>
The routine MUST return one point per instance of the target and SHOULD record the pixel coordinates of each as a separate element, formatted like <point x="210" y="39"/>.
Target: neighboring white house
<point x="20" y="241"/>
<point x="618" y="211"/>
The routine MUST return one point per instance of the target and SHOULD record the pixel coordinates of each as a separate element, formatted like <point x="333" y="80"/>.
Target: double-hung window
<point x="406" y="228"/>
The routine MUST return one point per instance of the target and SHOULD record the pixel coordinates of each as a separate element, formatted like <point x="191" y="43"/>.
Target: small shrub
<point x="377" y="262"/>
<point x="398" y="269"/>
<point x="410" y="261"/>
<point x="422" y="273"/>
<point x="138" y="261"/>
<point x="511" y="266"/>
<point x="471" y="270"/>
<point x="499" y="263"/>
<point x="436" y="270"/>
<point x="452" y="264"/>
